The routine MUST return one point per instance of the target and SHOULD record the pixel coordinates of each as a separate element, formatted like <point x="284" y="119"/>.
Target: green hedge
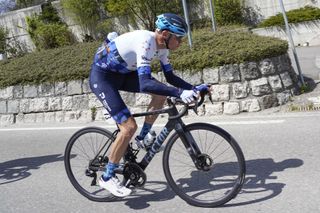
<point x="294" y="16"/>
<point x="73" y="62"/>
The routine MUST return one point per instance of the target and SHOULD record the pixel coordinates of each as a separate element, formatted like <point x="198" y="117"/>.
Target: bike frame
<point x="174" y="123"/>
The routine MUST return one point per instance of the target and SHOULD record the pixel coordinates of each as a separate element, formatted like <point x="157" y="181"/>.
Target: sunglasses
<point x="179" y="37"/>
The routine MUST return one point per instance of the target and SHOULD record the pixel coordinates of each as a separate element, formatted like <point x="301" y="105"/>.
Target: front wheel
<point x="218" y="173"/>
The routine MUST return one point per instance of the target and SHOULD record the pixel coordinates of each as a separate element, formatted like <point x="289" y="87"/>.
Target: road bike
<point x="202" y="163"/>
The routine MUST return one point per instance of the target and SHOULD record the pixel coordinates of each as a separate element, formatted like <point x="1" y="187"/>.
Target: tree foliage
<point x="47" y="31"/>
<point x="85" y="13"/>
<point x="144" y="11"/>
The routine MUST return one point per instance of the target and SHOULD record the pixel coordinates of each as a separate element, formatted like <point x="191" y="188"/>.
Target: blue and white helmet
<point x="172" y="22"/>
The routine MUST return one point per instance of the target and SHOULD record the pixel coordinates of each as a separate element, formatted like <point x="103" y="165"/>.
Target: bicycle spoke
<point x="215" y="179"/>
<point x="83" y="149"/>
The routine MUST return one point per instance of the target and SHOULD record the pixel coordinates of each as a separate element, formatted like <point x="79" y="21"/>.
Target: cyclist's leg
<point x="157" y="102"/>
<point x="106" y="85"/>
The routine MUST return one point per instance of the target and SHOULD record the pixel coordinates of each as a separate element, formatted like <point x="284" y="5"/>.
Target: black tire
<point x="222" y="182"/>
<point x="88" y="141"/>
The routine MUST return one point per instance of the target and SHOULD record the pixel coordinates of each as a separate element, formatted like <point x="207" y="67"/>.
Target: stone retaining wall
<point x="247" y="87"/>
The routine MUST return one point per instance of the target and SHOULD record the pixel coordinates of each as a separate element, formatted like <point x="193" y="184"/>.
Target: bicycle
<point x="205" y="174"/>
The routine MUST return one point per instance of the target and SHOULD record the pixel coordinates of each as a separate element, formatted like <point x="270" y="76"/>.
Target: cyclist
<point x="124" y="64"/>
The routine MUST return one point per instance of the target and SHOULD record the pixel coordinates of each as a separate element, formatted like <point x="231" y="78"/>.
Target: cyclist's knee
<point x="129" y="127"/>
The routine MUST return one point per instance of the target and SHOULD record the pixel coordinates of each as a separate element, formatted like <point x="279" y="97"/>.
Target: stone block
<point x="214" y="109"/>
<point x="18" y="91"/>
<point x="229" y="73"/>
<point x="3" y="107"/>
<point x="249" y="71"/>
<point x="13" y="106"/>
<point x="194" y="76"/>
<point x="220" y="93"/>
<point x="94" y="101"/>
<point x="38" y="105"/>
<point x="85" y="86"/>
<point x="6" y="93"/>
<point x="67" y="103"/>
<point x="49" y="117"/>
<point x="46" y="90"/>
<point x="74" y="87"/>
<point x="59" y="116"/>
<point x="260" y="87"/>
<point x="231" y="108"/>
<point x="60" y="88"/>
<point x="251" y="105"/>
<point x="268" y="101"/>
<point x="210" y="75"/>
<point x="80" y="102"/>
<point x="19" y="118"/>
<point x="275" y="83"/>
<point x="6" y="120"/>
<point x="40" y="117"/>
<point x="30" y="91"/>
<point x="286" y="80"/>
<point x="267" y="67"/>
<point x="284" y="97"/>
<point x="142" y="99"/>
<point x="54" y="103"/>
<point x="240" y="90"/>
<point x="72" y="116"/>
<point x="129" y="98"/>
<point x="25" y="105"/>
<point x="29" y="118"/>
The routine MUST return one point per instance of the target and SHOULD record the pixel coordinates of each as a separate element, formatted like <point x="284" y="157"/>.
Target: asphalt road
<point x="281" y="151"/>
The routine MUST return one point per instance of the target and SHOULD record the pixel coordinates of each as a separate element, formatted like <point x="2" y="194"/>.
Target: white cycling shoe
<point x="114" y="186"/>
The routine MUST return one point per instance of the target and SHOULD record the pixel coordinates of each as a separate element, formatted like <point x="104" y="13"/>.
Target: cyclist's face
<point x="174" y="41"/>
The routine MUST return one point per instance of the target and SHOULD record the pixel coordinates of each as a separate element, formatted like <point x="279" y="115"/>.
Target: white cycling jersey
<point x="132" y="51"/>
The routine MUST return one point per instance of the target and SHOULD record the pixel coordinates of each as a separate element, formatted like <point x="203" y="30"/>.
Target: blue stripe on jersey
<point x="110" y="60"/>
<point x="144" y="70"/>
<point x="166" y="68"/>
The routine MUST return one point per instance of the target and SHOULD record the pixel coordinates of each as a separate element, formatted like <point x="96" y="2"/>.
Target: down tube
<point x="156" y="145"/>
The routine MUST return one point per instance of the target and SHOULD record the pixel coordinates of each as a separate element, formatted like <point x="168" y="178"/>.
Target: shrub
<point x="3" y="38"/>
<point x="228" y="12"/>
<point x="225" y="47"/>
<point x="52" y="36"/>
<point x="294" y="16"/>
<point x="47" y="31"/>
<point x="209" y="50"/>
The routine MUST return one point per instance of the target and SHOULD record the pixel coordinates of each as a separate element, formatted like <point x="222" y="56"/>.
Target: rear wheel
<point x="85" y="158"/>
<point x="218" y="174"/>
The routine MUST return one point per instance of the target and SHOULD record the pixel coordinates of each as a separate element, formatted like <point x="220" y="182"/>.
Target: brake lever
<point x="195" y="108"/>
<point x="210" y="97"/>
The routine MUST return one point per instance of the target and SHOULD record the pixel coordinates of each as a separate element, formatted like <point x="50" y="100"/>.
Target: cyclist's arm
<point x="170" y="76"/>
<point x="149" y="85"/>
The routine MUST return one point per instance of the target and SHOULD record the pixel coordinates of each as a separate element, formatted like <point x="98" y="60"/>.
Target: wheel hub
<point x="205" y="162"/>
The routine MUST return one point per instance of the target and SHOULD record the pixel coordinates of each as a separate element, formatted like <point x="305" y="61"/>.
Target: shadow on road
<point x="261" y="184"/>
<point x="261" y="181"/>
<point x="15" y="170"/>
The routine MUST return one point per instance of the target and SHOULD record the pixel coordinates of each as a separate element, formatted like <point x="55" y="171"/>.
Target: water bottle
<point x="149" y="138"/>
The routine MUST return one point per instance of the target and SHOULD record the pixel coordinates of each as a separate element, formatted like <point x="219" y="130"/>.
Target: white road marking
<point x="245" y="122"/>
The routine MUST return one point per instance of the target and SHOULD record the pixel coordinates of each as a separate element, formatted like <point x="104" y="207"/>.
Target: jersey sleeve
<point x="169" y="75"/>
<point x="148" y="84"/>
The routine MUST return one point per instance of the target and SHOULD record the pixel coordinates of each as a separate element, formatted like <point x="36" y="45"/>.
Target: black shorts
<point x="106" y="86"/>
